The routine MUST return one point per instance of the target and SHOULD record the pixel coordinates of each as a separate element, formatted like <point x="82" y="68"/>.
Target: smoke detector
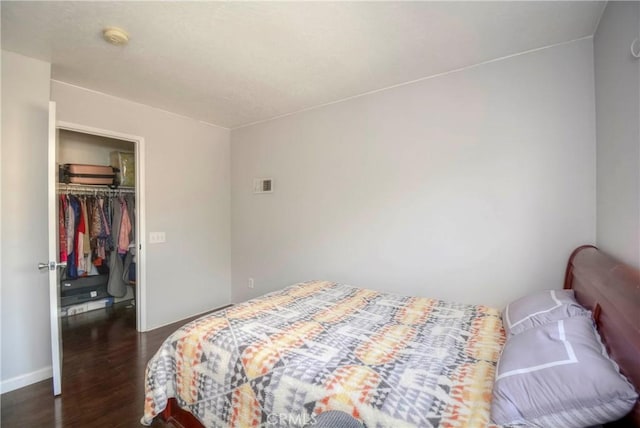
<point x="115" y="36"/>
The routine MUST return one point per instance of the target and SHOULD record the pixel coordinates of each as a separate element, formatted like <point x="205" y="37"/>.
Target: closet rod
<point x="91" y="190"/>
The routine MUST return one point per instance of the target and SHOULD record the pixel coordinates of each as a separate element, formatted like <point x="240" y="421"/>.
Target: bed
<point x="374" y="359"/>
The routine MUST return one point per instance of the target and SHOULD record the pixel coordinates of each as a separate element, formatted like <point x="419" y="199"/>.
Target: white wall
<point x="187" y="196"/>
<point x="617" y="87"/>
<point x="26" y="344"/>
<point x="472" y="186"/>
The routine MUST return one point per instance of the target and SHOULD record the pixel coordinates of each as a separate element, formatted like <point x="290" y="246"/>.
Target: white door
<point x="52" y="265"/>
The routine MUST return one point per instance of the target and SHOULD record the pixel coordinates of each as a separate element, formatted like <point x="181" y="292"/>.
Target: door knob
<point x="51" y="265"/>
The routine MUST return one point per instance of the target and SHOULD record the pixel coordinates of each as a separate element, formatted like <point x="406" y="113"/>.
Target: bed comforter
<point x="282" y="359"/>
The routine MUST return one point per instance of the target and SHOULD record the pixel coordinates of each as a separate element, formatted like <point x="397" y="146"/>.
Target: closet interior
<point x="96" y="223"/>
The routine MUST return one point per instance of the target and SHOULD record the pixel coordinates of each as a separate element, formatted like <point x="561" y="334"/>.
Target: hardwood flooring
<point x="104" y="360"/>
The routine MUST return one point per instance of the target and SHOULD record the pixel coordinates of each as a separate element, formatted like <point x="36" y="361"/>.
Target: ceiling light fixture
<point x="115" y="36"/>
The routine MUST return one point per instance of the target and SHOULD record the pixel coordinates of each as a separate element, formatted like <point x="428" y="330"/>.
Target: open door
<point x="52" y="265"/>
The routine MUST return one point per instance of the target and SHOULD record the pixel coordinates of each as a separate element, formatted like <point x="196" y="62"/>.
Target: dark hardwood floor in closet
<point x="104" y="361"/>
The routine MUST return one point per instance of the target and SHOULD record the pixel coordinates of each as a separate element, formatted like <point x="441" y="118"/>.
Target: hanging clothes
<point x="87" y="225"/>
<point x="74" y="219"/>
<point x="131" y="206"/>
<point x="125" y="228"/>
<point x="129" y="272"/>
<point x="96" y="225"/>
<point x="105" y="230"/>
<point x="70" y="225"/>
<point x="75" y="231"/>
<point x="62" y="229"/>
<point x="81" y="231"/>
<point x="116" y="286"/>
<point x="97" y="237"/>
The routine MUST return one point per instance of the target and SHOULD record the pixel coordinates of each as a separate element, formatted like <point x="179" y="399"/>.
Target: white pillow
<point x="540" y="308"/>
<point x="559" y="375"/>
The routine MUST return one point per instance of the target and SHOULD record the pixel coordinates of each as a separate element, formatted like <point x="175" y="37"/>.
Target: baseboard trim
<point x="21" y="381"/>
<point x="190" y="318"/>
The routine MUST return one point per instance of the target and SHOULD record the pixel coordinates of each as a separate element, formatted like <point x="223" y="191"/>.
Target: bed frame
<point x="178" y="417"/>
<point x="610" y="289"/>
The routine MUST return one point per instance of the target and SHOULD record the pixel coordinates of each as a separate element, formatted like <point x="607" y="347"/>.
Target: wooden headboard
<point x="611" y="290"/>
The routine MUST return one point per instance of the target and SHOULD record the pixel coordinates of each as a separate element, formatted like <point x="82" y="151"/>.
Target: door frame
<point x="141" y="274"/>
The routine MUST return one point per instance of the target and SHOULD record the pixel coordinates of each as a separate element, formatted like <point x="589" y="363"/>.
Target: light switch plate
<point x="157" y="237"/>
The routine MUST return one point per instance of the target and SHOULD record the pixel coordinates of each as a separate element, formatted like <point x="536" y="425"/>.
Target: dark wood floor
<point x="104" y="361"/>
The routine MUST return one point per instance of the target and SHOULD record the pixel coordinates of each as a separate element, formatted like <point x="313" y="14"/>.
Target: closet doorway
<point x="57" y="221"/>
<point x="56" y="265"/>
<point x="78" y="144"/>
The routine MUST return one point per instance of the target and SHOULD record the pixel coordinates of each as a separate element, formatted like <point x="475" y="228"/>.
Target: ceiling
<point x="236" y="63"/>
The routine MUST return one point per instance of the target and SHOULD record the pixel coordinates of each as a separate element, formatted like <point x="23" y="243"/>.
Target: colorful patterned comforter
<point x="283" y="359"/>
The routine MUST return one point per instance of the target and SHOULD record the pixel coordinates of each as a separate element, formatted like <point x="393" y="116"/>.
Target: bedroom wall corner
<point x="26" y="341"/>
<point x="617" y="88"/>
<point x="473" y="186"/>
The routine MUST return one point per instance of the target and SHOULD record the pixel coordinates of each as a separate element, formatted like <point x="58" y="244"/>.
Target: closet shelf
<point x="93" y="189"/>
